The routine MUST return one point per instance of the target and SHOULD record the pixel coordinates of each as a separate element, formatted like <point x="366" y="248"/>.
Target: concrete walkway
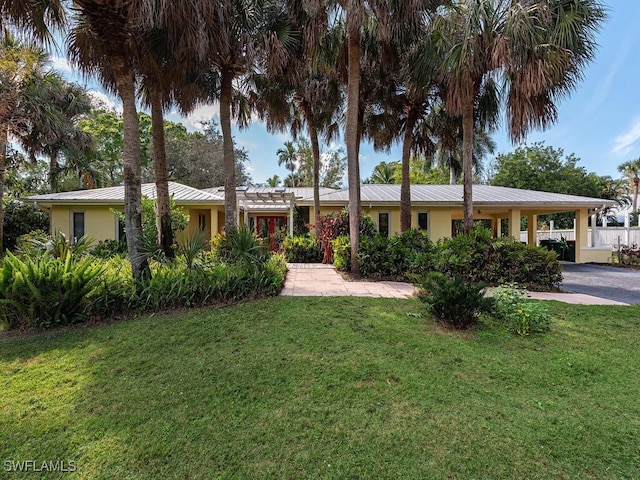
<point x="318" y="280"/>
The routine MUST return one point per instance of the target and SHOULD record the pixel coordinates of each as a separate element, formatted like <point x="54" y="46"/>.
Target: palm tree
<point x="307" y="91"/>
<point x="392" y="19"/>
<point x="160" y="72"/>
<point x="537" y="48"/>
<point x="384" y="173"/>
<point x="287" y="156"/>
<point x="254" y="35"/>
<point x="273" y="181"/>
<point x="104" y="42"/>
<point x="23" y="97"/>
<point x="631" y="169"/>
<point x="32" y="17"/>
<point x="52" y="139"/>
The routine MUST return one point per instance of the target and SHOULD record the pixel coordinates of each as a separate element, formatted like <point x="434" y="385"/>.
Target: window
<point x="423" y="220"/>
<point x="383" y="223"/>
<point x="77" y="225"/>
<point x="202" y="221"/>
<point x="120" y="234"/>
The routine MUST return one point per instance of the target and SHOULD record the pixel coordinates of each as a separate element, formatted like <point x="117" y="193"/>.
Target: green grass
<point x="326" y="388"/>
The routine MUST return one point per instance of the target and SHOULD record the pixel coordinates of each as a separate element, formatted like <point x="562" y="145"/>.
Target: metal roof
<point x="444" y="195"/>
<point x="453" y="194"/>
<point x="304" y="193"/>
<point x="180" y="193"/>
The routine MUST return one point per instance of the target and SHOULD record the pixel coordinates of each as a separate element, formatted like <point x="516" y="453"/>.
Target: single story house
<point x="435" y="208"/>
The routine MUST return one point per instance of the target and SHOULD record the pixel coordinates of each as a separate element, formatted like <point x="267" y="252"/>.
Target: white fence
<point x="604" y="237"/>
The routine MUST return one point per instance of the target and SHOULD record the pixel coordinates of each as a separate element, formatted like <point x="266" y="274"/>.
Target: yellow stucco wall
<point x="596" y="255"/>
<point x="439" y="218"/>
<point x="439" y="223"/>
<point x="99" y="222"/>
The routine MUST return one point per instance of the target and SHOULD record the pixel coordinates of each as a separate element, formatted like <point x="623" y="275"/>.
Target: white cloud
<point x="102" y="100"/>
<point x="202" y="114"/>
<point x="61" y="63"/>
<point x="623" y="144"/>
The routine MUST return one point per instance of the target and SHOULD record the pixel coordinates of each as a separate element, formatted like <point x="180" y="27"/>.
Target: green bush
<point x="46" y="291"/>
<point x="109" y="248"/>
<point x="302" y="249"/>
<point x="19" y="219"/>
<point x="518" y="315"/>
<point x="240" y="246"/>
<point x="478" y="257"/>
<point x="341" y="252"/>
<point x="398" y="257"/>
<point x="453" y="301"/>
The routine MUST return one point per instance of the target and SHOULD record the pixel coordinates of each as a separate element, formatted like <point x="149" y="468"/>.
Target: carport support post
<point x="291" y="218"/>
<point x="582" y="232"/>
<point x="514" y="223"/>
<point x="532" y="229"/>
<point x="594" y="231"/>
<point x="496" y="227"/>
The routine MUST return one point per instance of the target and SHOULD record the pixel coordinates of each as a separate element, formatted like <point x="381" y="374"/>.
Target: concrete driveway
<point x="619" y="284"/>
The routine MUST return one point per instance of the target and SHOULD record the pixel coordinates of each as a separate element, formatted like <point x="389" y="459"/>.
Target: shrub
<point x="517" y="314"/>
<point x="192" y="246"/>
<point x="341" y="252"/>
<point x="478" y="257"/>
<point x="35" y="245"/>
<point x="336" y="225"/>
<point x="19" y="219"/>
<point x="453" y="301"/>
<point x="47" y="291"/>
<point x="240" y="246"/>
<point x="109" y="248"/>
<point x="398" y="257"/>
<point x="302" y="249"/>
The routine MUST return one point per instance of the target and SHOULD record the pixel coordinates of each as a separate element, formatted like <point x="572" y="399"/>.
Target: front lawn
<point x="340" y="388"/>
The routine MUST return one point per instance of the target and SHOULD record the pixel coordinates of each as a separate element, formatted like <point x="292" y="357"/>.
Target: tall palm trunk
<point x="405" y="188"/>
<point x="229" y="161"/>
<point x="315" y="152"/>
<point x="132" y="169"/>
<point x="4" y="141"/>
<point x="163" y="206"/>
<point x="351" y="133"/>
<point x="636" y="181"/>
<point x="53" y="172"/>
<point x="467" y="163"/>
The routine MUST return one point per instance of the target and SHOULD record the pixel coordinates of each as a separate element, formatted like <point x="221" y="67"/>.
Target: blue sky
<point x="599" y="122"/>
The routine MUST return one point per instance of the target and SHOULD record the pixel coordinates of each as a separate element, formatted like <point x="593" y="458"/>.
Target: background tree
<point x="196" y="159"/>
<point x="288" y="156"/>
<point x="23" y="98"/>
<point x="546" y="169"/>
<point x="106" y="128"/>
<point x="630" y="169"/>
<point x="420" y="173"/>
<point x="273" y="181"/>
<point x="332" y="169"/>
<point x="63" y="137"/>
<point x="385" y="173"/>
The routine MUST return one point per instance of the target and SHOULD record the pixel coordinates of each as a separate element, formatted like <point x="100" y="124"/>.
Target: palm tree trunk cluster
<point x="163" y="205"/>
